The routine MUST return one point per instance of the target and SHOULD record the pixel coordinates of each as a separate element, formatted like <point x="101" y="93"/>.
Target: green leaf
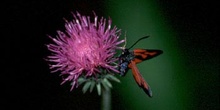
<point x="92" y="85"/>
<point x="98" y="86"/>
<point x="113" y="78"/>
<point x="105" y="85"/>
<point x="107" y="82"/>
<point x="81" y="80"/>
<point x="86" y="86"/>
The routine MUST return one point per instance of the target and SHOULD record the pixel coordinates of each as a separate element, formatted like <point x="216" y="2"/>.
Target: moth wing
<point x="139" y="79"/>
<point x="145" y="54"/>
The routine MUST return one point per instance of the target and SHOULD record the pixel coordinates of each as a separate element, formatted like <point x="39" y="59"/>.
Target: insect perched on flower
<point x="129" y="59"/>
<point x="84" y="53"/>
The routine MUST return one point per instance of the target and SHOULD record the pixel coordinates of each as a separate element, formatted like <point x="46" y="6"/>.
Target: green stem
<point x="106" y="99"/>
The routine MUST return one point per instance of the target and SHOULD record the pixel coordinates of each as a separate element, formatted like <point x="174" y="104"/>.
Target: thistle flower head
<point x="85" y="49"/>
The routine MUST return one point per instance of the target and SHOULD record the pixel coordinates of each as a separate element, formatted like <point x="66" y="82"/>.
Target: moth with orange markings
<point x="128" y="60"/>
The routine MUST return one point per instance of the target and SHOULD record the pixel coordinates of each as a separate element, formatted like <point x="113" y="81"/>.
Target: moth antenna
<point x="138" y="41"/>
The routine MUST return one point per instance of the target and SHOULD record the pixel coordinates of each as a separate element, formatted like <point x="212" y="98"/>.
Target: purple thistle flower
<point x="85" y="49"/>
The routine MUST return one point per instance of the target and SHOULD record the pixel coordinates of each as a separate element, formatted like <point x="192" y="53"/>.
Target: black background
<point x="27" y="82"/>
